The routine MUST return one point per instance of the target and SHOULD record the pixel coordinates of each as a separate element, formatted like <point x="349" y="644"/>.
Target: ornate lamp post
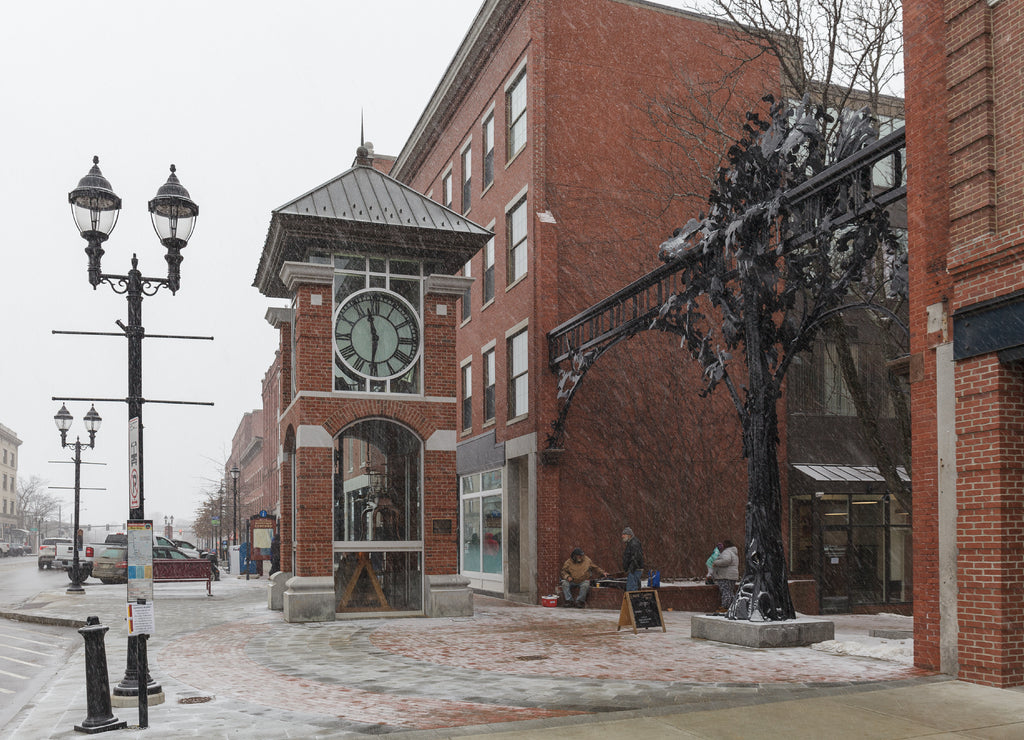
<point x="235" y="472"/>
<point x="95" y="208"/>
<point x="63" y="421"/>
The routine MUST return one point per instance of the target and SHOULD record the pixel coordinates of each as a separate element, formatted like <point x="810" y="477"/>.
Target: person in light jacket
<point x="726" y="571"/>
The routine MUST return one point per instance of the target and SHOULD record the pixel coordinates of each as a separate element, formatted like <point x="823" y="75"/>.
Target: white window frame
<point x="515" y="79"/>
<point x="516" y="410"/>
<point x="518" y="250"/>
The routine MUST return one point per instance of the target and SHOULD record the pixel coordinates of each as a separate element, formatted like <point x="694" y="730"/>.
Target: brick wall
<point x="588" y="163"/>
<point x="965" y="199"/>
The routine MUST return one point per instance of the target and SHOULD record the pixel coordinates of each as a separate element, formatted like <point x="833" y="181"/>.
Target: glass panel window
<point x="467" y="397"/>
<point x="446" y="189"/>
<point x="471" y="526"/>
<point x="516" y="230"/>
<point x="518" y="402"/>
<point x="378" y="581"/>
<point x="489" y="385"/>
<point x="467" y="178"/>
<point x="515" y="107"/>
<point x="488" y="137"/>
<point x="380" y="500"/>
<point x="489" y="271"/>
<point x="491" y="548"/>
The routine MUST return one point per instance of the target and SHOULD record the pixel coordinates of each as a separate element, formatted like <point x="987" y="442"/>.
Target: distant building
<point x="9" y="444"/>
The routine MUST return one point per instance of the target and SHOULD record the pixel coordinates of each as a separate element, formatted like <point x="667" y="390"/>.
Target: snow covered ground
<point x="852" y="641"/>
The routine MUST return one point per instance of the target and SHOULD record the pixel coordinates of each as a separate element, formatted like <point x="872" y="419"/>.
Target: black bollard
<point x="97" y="684"/>
<point x="143" y="671"/>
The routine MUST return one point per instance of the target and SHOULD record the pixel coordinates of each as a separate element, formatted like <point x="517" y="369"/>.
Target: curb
<point x="42" y="619"/>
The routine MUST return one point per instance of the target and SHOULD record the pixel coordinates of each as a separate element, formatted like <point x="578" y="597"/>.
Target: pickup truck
<point x="48" y="550"/>
<point x="64" y="557"/>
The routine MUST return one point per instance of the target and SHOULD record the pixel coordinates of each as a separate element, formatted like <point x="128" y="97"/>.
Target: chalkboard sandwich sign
<point x="641" y="609"/>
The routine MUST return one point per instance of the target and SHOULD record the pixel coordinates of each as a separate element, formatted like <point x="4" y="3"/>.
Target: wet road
<point x="30" y="654"/>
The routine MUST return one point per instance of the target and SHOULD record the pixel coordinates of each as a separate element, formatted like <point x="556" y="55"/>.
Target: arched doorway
<point x="378" y="518"/>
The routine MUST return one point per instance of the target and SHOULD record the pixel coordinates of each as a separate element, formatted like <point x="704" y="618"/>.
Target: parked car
<point x="189" y="549"/>
<point x="111" y="564"/>
<point x="5" y="549"/>
<point x="48" y="549"/>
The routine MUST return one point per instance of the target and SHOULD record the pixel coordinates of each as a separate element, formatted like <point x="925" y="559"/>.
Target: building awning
<point x="847" y="473"/>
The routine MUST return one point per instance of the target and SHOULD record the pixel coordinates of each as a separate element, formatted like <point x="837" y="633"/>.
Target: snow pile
<point x="896" y="651"/>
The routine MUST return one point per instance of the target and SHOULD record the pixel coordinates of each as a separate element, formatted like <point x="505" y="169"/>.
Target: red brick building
<point x="965" y="82"/>
<point x="540" y="130"/>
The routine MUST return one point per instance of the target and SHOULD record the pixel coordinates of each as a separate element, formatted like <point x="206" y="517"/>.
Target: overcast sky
<point x="255" y="103"/>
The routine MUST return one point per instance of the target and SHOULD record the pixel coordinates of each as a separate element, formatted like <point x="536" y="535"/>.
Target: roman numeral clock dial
<point x="377" y="334"/>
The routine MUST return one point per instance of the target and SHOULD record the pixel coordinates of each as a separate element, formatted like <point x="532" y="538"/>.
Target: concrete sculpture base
<point x="791" y="633"/>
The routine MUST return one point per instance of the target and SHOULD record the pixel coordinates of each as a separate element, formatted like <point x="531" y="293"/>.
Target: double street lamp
<point x="63" y="421"/>
<point x="95" y="207"/>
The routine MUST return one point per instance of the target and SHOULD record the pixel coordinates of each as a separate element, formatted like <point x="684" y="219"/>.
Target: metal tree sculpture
<point x="759" y="276"/>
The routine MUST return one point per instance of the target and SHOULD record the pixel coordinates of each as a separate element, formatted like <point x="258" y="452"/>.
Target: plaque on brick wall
<point x="442" y="526"/>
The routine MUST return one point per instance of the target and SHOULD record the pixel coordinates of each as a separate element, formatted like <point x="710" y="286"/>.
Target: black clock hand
<point x="374" y="339"/>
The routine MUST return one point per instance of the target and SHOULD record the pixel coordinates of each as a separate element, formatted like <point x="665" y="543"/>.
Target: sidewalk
<point x="230" y="668"/>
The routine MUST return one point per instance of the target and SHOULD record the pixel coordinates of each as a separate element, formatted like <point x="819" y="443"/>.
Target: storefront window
<point x="857" y="547"/>
<point x="378" y="540"/>
<point x="482" y="533"/>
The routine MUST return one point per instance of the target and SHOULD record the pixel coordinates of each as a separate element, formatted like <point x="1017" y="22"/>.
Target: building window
<point x="466" y="304"/>
<point x="515" y="228"/>
<point x="467" y="397"/>
<point x="378" y="512"/>
<point x="489" y="385"/>
<point x="518" y="400"/>
<point x="446" y="189"/>
<point x="488" y="136"/>
<point x="489" y="271"/>
<point x="515" y="107"/>
<point x="467" y="178"/>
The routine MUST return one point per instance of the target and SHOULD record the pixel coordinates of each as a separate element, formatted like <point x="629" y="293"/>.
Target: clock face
<point x="377" y="334"/>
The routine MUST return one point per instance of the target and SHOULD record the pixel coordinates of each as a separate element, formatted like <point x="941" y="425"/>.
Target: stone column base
<point x="309" y="599"/>
<point x="275" y="591"/>
<point x="449" y="596"/>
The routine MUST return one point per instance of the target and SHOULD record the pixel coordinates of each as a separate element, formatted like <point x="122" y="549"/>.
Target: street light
<point x="95" y="207"/>
<point x="63" y="421"/>
<point x="235" y="472"/>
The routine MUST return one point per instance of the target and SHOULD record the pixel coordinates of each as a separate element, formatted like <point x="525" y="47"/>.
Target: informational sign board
<point x="641" y="609"/>
<point x="141" y="618"/>
<point x="134" y="485"/>
<point x="261" y="534"/>
<point x="140" y="560"/>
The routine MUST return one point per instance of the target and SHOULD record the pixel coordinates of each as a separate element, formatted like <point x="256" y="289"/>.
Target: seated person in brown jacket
<point x="576" y="574"/>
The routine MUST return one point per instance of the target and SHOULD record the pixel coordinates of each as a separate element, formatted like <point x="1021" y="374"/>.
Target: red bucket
<point x="549" y="600"/>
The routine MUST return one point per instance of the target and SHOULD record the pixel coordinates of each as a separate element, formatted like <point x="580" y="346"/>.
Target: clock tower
<point x="368" y="409"/>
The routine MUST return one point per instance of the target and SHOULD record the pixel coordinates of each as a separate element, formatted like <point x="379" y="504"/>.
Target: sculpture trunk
<point x="765" y="570"/>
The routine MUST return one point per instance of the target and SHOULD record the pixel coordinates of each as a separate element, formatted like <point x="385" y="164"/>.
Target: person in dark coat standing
<point x="275" y="555"/>
<point x="632" y="560"/>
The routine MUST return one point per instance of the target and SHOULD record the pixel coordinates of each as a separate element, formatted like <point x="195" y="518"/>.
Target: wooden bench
<point x="183" y="571"/>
